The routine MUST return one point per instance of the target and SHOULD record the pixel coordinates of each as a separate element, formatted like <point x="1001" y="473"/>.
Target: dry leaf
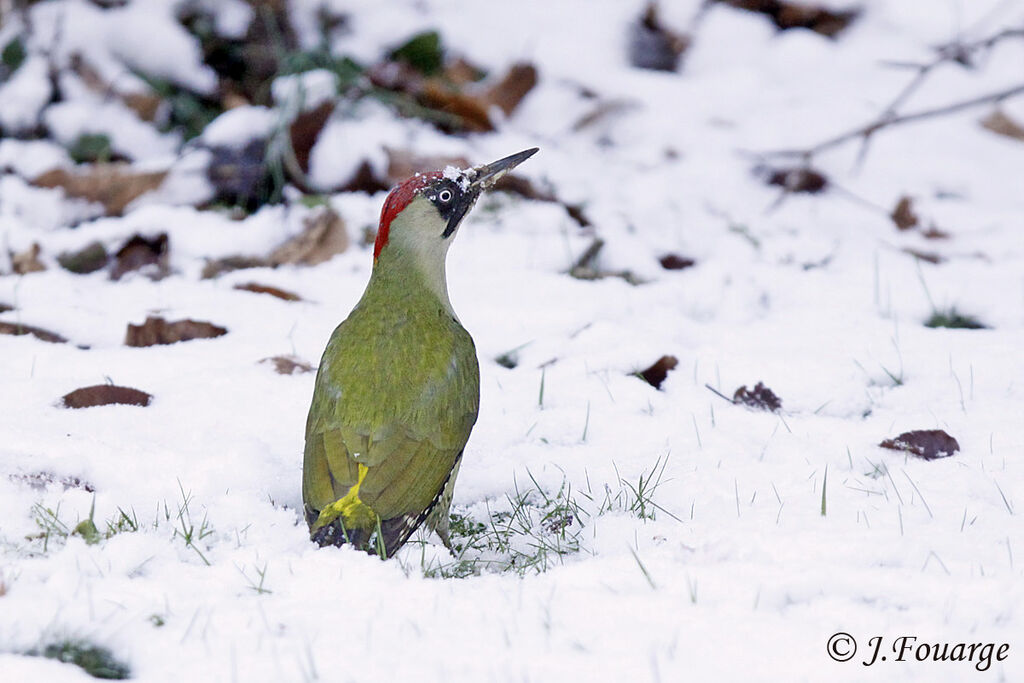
<point x="158" y="331"/>
<point x="140" y="253"/>
<point x="289" y="365"/>
<point x="404" y="164"/>
<point x="929" y="444"/>
<point x="88" y="259"/>
<point x="1001" y="124"/>
<point x="17" y="329"/>
<point x="787" y="15"/>
<point x="903" y="215"/>
<point x="761" y="398"/>
<point x="105" y="394"/>
<point x="27" y="261"/>
<point x="657" y="373"/>
<point x="929" y="256"/>
<point x="5" y="307"/>
<point x="676" y="262"/>
<point x="215" y="267"/>
<point x="323" y="236"/>
<point x="799" y="179"/>
<point x="272" y="291"/>
<point x="145" y="105"/>
<point x="654" y="46"/>
<point x="510" y="90"/>
<point x="305" y="130"/>
<point x="114" y="185"/>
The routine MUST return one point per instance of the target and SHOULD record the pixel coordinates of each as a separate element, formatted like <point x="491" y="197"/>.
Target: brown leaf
<point x="18" y="329"/>
<point x="933" y="233"/>
<point x="761" y="397"/>
<point x="787" y="15"/>
<point x="404" y="164"/>
<point x="676" y="262"/>
<point x="323" y="236"/>
<point x="1001" y="124"/>
<point x="289" y="365"/>
<point x="27" y="261"/>
<point x="903" y="215"/>
<point x="272" y="291"/>
<point x="145" y="105"/>
<point x="510" y="90"/>
<point x="215" y="267"/>
<point x="929" y="256"/>
<point x="929" y="444"/>
<point x="114" y="185"/>
<point x="88" y="259"/>
<point x="156" y="330"/>
<point x="652" y="45"/>
<point x="797" y="179"/>
<point x="462" y="72"/>
<point x="470" y="110"/>
<point x="365" y="180"/>
<point x="657" y="373"/>
<point x="141" y="252"/>
<point x="105" y="394"/>
<point x="5" y="307"/>
<point x="305" y="130"/>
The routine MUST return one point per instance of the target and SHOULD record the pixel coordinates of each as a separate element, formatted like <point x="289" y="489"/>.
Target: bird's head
<point x="421" y="215"/>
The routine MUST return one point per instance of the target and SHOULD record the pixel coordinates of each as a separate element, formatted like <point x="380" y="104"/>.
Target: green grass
<point x="98" y="662"/>
<point x="953" y="319"/>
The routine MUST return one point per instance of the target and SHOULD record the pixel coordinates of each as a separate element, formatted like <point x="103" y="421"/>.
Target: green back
<point x="398" y="390"/>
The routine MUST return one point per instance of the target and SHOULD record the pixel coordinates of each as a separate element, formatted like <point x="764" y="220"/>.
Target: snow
<point x="772" y="532"/>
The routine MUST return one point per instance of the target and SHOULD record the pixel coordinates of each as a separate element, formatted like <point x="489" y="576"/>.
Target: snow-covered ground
<point x="761" y="534"/>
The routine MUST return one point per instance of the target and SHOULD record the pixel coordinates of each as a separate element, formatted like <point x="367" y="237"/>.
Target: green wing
<point x="404" y="416"/>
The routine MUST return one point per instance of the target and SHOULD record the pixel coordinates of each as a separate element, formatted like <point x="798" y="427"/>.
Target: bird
<point x="397" y="391"/>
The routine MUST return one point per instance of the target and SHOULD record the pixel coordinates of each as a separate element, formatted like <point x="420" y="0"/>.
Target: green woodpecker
<point x="398" y="387"/>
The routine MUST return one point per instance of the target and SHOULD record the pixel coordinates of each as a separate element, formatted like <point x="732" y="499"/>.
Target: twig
<point x="956" y="51"/>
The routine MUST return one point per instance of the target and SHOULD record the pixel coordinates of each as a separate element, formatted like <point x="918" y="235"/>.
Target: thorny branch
<point x="959" y="52"/>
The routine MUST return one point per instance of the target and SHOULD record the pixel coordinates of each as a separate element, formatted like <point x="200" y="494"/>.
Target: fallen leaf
<point x="1001" y="124"/>
<point x="17" y="329"/>
<point x="145" y="105"/>
<point x="929" y="444"/>
<point x="272" y="291"/>
<point x="156" y="330"/>
<point x="27" y="261"/>
<point x="787" y="15"/>
<point x="761" y="397"/>
<point x="404" y="164"/>
<point x="105" y="394"/>
<point x="289" y="365"/>
<point x="114" y="185"/>
<point x="149" y="254"/>
<point x="928" y="256"/>
<point x="652" y="45"/>
<point x="5" y="307"/>
<point x="676" y="262"/>
<point x="933" y="233"/>
<point x="365" y="180"/>
<point x="657" y="373"/>
<point x="323" y="236"/>
<point x="903" y="215"/>
<point x="507" y="93"/>
<point x="586" y="268"/>
<point x="305" y="130"/>
<point x="240" y="175"/>
<point x="798" y="179"/>
<point x="215" y="267"/>
<point x="88" y="259"/>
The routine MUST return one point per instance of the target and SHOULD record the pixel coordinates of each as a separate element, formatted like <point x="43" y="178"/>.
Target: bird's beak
<point x="480" y="178"/>
<point x="484" y="177"/>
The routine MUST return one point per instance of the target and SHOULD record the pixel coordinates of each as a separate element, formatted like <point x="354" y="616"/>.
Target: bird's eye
<point x="444" y="196"/>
